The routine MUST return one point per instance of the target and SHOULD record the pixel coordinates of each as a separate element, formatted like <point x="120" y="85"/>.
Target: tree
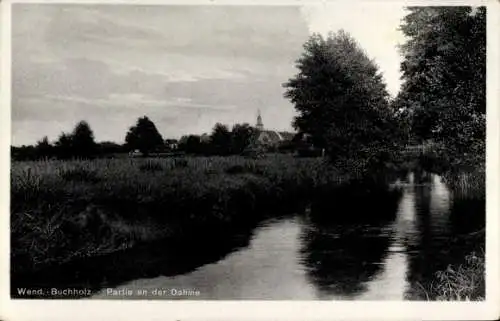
<point x="144" y="136"/>
<point x="82" y="141"/>
<point x="43" y="148"/>
<point x="221" y="139"/>
<point x="191" y="144"/>
<point x="64" y="146"/>
<point x="343" y="103"/>
<point x="444" y="72"/>
<point x="241" y="137"/>
<point x="108" y="148"/>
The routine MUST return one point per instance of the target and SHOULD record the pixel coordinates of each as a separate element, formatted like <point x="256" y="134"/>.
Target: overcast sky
<point x="185" y="67"/>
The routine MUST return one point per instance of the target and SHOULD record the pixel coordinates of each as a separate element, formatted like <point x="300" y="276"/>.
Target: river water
<point x="295" y="258"/>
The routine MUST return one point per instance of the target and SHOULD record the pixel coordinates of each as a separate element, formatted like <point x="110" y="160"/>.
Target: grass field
<point x="61" y="210"/>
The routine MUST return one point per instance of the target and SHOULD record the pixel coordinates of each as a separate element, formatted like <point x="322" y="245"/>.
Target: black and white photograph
<point x="211" y="152"/>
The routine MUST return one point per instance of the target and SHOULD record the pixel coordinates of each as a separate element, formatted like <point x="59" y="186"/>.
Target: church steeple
<point x="260" y="125"/>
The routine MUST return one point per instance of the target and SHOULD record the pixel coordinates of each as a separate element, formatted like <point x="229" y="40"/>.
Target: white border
<point x="261" y="2"/>
<point x="266" y="310"/>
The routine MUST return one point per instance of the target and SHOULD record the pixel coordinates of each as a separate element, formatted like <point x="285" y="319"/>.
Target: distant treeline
<point x="143" y="139"/>
<point x="45" y="150"/>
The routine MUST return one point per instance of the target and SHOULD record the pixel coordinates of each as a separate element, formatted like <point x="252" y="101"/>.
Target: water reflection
<point x="391" y="283"/>
<point x="440" y="242"/>
<point x="389" y="259"/>
<point x="161" y="258"/>
<point x="345" y="251"/>
<point x="269" y="268"/>
<point x="341" y="260"/>
<point x="467" y="214"/>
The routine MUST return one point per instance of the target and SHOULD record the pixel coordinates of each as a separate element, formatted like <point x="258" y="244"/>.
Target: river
<point x="295" y="258"/>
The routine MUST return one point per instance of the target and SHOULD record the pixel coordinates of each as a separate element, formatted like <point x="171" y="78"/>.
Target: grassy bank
<point x="465" y="281"/>
<point x="470" y="184"/>
<point x="66" y="210"/>
<point x="461" y="282"/>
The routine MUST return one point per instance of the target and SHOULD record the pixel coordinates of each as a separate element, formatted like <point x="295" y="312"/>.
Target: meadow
<point x="63" y="210"/>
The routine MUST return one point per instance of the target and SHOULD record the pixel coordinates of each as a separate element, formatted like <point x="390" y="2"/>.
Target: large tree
<point x="144" y="136"/>
<point x="108" y="148"/>
<point x="241" y="137"/>
<point x="191" y="144"/>
<point x="444" y="72"/>
<point x="44" y="148"/>
<point x="220" y="139"/>
<point x="64" y="146"/>
<point x="342" y="103"/>
<point x="82" y="141"/>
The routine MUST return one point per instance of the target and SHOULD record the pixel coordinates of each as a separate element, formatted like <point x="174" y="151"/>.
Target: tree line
<point x="443" y="96"/>
<point x="145" y="138"/>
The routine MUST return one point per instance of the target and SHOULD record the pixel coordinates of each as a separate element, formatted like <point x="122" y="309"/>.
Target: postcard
<point x="249" y="160"/>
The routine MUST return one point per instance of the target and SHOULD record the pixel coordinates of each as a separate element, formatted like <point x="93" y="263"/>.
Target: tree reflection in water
<point x="348" y="236"/>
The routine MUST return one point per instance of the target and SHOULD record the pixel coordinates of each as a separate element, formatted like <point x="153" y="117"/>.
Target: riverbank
<point x="465" y="281"/>
<point x="95" y="213"/>
<point x="459" y="282"/>
<point x="63" y="211"/>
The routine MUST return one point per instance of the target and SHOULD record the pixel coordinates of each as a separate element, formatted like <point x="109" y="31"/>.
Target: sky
<point x="185" y="67"/>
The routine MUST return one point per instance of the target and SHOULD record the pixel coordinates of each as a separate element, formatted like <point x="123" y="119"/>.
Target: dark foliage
<point x="241" y="137"/>
<point x="192" y="144"/>
<point x="144" y="136"/>
<point x="64" y="146"/>
<point x="220" y="140"/>
<point x="444" y="73"/>
<point x="343" y="104"/>
<point x="82" y="141"/>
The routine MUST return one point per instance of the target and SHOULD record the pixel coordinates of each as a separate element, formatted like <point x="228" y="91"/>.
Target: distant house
<point x="268" y="139"/>
<point x="205" y="138"/>
<point x="172" y="144"/>
<point x="135" y="153"/>
<point x="304" y="146"/>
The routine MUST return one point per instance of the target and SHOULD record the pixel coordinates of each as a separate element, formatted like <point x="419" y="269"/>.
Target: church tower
<point x="260" y="125"/>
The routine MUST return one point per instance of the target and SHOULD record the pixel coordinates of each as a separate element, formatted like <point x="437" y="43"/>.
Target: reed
<point x="463" y="282"/>
<point x="63" y="209"/>
<point x="468" y="184"/>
